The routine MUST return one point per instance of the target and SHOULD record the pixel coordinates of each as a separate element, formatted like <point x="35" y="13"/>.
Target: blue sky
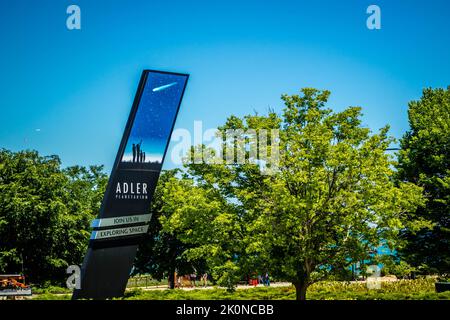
<point x="70" y="92"/>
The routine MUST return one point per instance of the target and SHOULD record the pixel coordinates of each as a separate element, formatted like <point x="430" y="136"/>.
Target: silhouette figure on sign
<point x="134" y="152"/>
<point x="138" y="151"/>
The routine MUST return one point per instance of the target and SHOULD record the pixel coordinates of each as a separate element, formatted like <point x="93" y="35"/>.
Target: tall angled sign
<point x="125" y="212"/>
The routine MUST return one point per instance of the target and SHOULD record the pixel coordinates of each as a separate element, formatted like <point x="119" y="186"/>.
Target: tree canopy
<point x="45" y="213"/>
<point x="161" y="253"/>
<point x="330" y="200"/>
<point x="424" y="159"/>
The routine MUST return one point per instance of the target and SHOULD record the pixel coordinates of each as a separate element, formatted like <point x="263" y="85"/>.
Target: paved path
<point x="165" y="287"/>
<point x="239" y="287"/>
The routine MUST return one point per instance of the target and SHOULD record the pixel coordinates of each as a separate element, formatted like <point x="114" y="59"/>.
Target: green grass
<point x="421" y="289"/>
<point x="50" y="290"/>
<point x="52" y="296"/>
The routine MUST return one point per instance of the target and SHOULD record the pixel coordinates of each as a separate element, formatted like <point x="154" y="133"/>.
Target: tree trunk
<point x="172" y="278"/>
<point x="300" y="289"/>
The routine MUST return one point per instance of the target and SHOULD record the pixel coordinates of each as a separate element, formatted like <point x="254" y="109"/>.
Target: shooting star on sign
<point x="164" y="87"/>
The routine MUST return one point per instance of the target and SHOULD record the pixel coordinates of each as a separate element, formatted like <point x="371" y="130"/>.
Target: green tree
<point x="45" y="213"/>
<point x="330" y="201"/>
<point x="161" y="252"/>
<point x="196" y="216"/>
<point x="424" y="159"/>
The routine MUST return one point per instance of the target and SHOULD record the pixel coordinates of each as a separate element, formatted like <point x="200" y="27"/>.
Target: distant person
<point x="267" y="279"/>
<point x="205" y="279"/>
<point x="144" y="158"/>
<point x="134" y="152"/>
<point x="141" y="156"/>
<point x="138" y="151"/>
<point x="193" y="278"/>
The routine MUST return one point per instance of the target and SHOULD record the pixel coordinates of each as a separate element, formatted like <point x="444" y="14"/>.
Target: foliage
<point x="45" y="213"/>
<point x="330" y="201"/>
<point x="425" y="161"/>
<point x="392" y="265"/>
<point x="196" y="216"/>
<point x="161" y="252"/>
<point x="227" y="275"/>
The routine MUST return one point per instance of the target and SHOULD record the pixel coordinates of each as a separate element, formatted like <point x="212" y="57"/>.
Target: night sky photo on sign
<point x="154" y="119"/>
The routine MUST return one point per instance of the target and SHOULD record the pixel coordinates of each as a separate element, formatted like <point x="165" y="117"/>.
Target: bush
<point x="227" y="275"/>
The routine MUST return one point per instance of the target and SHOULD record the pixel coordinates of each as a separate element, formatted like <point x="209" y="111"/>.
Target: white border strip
<point x="117" y="221"/>
<point x="120" y="232"/>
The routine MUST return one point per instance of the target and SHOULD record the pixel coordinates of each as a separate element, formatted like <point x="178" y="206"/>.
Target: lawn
<point x="421" y="289"/>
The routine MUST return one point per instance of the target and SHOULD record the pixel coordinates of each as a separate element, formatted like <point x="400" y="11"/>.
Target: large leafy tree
<point x="45" y="213"/>
<point x="329" y="201"/>
<point x="424" y="159"/>
<point x="162" y="253"/>
<point x="206" y="225"/>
